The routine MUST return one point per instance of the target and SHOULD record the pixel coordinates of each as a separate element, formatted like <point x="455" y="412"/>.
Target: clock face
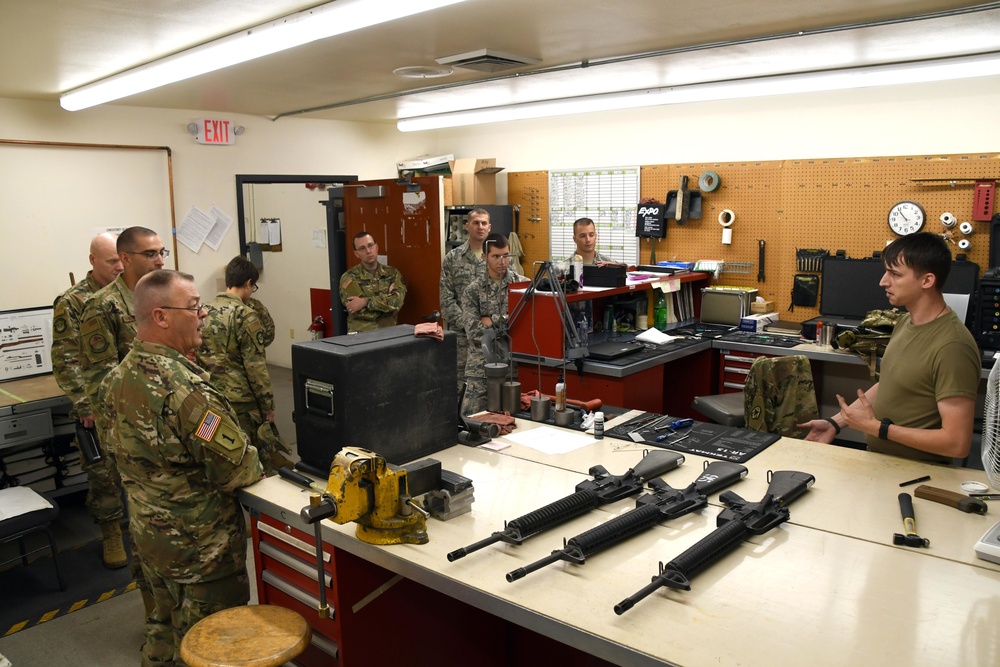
<point x="906" y="217"/>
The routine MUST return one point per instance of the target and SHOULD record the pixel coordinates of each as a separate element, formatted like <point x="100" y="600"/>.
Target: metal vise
<point x="366" y="490"/>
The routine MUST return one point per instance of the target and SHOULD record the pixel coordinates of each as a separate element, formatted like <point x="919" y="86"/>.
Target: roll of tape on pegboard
<point x="726" y="217"/>
<point x="965" y="228"/>
<point x="964" y="244"/>
<point x="948" y="219"/>
<point x="708" y="181"/>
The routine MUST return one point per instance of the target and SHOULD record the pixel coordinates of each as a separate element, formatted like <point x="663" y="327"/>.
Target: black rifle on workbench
<point x="604" y="488"/>
<point x="735" y="523"/>
<point x="662" y="504"/>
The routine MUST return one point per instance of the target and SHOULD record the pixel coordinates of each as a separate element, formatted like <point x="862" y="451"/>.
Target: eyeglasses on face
<point x="366" y="247"/>
<point x="502" y="258"/>
<point x="256" y="287"/>
<point x="196" y="309"/>
<point x="151" y="254"/>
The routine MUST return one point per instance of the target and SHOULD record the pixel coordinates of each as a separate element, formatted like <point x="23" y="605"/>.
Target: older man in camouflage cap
<point x="371" y="292"/>
<point x="232" y="351"/>
<point x="103" y="495"/>
<point x="182" y="456"/>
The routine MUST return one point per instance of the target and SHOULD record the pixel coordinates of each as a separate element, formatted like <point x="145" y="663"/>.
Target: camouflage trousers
<point x="462" y="355"/>
<point x="104" y="486"/>
<point x="475" y="395"/>
<point x="104" y="502"/>
<point x="177" y="607"/>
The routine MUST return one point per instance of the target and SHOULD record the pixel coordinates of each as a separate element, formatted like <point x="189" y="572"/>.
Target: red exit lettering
<point x="216" y="132"/>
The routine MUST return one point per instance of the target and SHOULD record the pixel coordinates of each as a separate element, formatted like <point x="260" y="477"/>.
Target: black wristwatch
<point x="883" y="430"/>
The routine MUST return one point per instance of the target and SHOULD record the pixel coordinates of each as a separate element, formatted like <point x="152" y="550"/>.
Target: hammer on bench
<point x="910" y="539"/>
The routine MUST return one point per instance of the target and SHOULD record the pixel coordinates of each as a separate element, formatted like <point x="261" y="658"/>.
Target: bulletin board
<point x="832" y="204"/>
<point x="57" y="196"/>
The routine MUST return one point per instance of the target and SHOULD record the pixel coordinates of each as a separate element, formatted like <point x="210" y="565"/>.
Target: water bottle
<point x="599" y="425"/>
<point x="561" y="395"/>
<point x="660" y="312"/>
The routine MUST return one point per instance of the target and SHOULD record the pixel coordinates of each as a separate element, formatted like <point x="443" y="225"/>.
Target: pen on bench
<point x="925" y="478"/>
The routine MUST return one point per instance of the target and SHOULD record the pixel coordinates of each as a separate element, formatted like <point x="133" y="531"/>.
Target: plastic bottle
<point x="819" y="332"/>
<point x="660" y="312"/>
<point x="578" y="269"/>
<point x="599" y="425"/>
<point x="561" y="395"/>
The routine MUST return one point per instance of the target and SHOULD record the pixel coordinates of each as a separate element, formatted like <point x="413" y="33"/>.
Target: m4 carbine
<point x="604" y="488"/>
<point x="740" y="520"/>
<point x="662" y="504"/>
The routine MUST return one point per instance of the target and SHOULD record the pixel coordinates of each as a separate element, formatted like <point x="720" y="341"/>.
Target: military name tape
<point x="726" y="217"/>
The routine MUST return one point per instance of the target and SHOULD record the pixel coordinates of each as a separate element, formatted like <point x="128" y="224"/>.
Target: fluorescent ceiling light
<point x="862" y="77"/>
<point x="333" y="18"/>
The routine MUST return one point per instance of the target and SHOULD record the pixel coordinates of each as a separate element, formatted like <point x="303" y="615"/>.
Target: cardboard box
<point x="755" y="322"/>
<point x="473" y="181"/>
<point x="762" y="307"/>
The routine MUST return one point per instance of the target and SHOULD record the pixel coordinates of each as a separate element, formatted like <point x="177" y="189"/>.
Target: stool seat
<point x="725" y="409"/>
<point x="250" y="636"/>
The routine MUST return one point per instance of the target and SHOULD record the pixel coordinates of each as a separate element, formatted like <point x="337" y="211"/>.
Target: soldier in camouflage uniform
<point x="371" y="292"/>
<point x="106" y="333"/>
<point x="460" y="268"/>
<point x="779" y="395"/>
<point x="103" y="497"/>
<point x="266" y="321"/>
<point x="182" y="456"/>
<point x="485" y="304"/>
<point x="232" y="351"/>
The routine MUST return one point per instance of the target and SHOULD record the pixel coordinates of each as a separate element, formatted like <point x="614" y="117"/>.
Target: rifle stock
<point x="604" y="488"/>
<point x="735" y="524"/>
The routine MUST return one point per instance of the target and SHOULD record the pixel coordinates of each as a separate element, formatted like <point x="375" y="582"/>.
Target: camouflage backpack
<point x="870" y="338"/>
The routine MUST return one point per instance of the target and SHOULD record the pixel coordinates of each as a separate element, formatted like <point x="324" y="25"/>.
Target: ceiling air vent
<point x="486" y="60"/>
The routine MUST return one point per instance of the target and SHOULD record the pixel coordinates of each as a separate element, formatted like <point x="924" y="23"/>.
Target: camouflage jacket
<point x="66" y="354"/>
<point x="598" y="257"/>
<point x="385" y="291"/>
<point x="779" y="394"/>
<point x="460" y="268"/>
<point x="483" y="298"/>
<point x="182" y="456"/>
<point x="266" y="321"/>
<point x="232" y="351"/>
<point x="106" y="332"/>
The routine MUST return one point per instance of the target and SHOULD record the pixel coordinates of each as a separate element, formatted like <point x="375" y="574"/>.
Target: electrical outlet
<point x="291" y="333"/>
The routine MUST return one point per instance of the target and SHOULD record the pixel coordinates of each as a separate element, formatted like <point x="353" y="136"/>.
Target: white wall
<point x="949" y="117"/>
<point x="925" y="119"/>
<point x="205" y="175"/>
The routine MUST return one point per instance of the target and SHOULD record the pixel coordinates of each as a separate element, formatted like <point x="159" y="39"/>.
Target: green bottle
<point x="660" y="311"/>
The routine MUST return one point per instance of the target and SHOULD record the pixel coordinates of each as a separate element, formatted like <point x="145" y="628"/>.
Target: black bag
<point x="805" y="291"/>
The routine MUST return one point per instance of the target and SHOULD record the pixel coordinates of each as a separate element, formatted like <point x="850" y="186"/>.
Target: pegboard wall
<point x="832" y="204"/>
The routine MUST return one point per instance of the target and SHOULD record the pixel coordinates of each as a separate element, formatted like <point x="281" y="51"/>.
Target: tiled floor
<point x="109" y="634"/>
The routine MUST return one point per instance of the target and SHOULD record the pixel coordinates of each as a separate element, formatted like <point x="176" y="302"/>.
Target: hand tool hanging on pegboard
<point x="760" y="260"/>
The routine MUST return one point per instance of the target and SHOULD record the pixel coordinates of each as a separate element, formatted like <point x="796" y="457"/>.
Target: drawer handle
<point x="291" y="541"/>
<point x="288" y="560"/>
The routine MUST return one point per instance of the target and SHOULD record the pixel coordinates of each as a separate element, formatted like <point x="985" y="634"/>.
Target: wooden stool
<point x="251" y="636"/>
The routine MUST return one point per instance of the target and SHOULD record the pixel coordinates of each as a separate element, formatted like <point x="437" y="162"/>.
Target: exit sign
<point x="214" y="131"/>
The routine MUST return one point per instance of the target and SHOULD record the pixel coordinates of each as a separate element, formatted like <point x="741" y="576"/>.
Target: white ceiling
<point x="52" y="46"/>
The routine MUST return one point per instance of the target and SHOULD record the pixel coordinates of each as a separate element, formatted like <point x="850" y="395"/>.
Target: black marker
<point x="925" y="478"/>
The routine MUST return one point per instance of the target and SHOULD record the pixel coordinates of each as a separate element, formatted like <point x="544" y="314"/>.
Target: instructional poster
<point x="609" y="196"/>
<point x="25" y="342"/>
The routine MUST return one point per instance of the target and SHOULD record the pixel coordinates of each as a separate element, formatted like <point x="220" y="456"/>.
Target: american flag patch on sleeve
<point x="209" y="423"/>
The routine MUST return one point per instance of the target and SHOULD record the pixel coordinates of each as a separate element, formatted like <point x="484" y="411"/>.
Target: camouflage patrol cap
<point x="268" y="434"/>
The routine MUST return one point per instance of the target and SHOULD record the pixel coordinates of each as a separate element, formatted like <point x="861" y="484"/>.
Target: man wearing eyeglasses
<point x="371" y="292"/>
<point x="232" y="351"/>
<point x="182" y="457"/>
<point x="107" y="330"/>
<point x="484" y="305"/>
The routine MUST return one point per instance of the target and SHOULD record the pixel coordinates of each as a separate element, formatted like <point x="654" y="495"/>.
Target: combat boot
<point x="114" y="549"/>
